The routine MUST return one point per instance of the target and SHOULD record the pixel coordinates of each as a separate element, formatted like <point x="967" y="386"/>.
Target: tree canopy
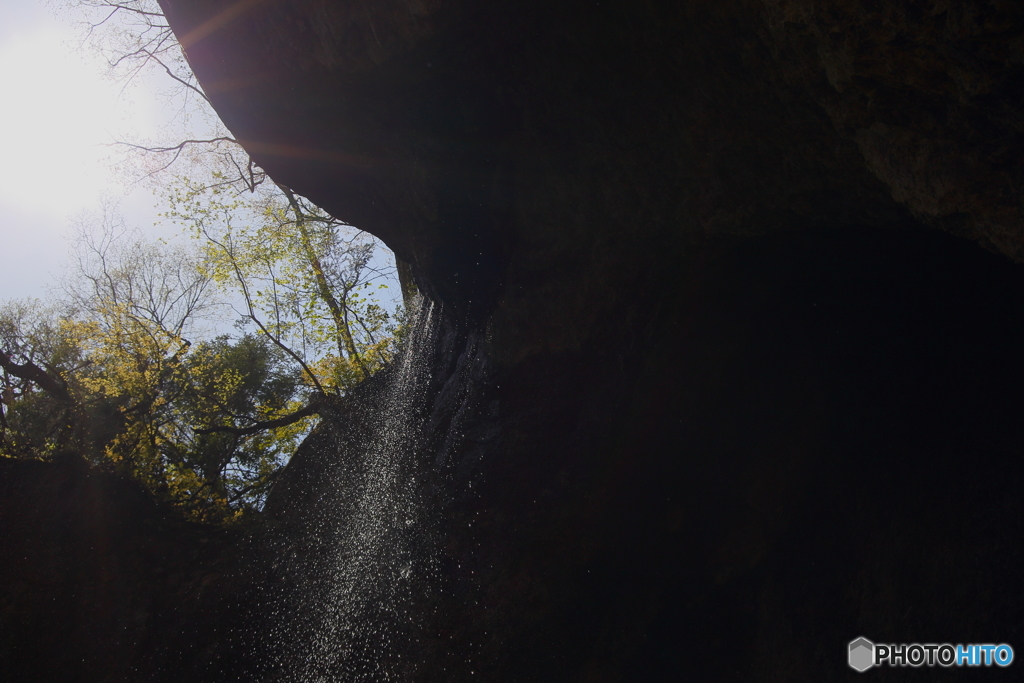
<point x="123" y="368"/>
<point x="132" y="364"/>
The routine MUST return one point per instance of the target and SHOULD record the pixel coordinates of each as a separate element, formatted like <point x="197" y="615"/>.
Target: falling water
<point x="368" y="550"/>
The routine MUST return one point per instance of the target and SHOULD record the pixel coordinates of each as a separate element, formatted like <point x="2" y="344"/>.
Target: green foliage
<point x="237" y="383"/>
<point x="140" y="395"/>
<point x="122" y="369"/>
<point x="33" y="332"/>
<point x="204" y="425"/>
<point x="306" y="279"/>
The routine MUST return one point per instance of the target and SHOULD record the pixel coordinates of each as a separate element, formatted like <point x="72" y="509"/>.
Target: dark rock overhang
<point x="486" y="142"/>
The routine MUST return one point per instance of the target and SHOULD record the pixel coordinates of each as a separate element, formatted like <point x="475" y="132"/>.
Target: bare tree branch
<point x="313" y="408"/>
<point x="191" y="86"/>
<point x="240" y="277"/>
<point x="175" y="148"/>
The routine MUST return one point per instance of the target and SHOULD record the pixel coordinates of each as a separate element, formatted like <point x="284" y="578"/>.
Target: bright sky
<point x="57" y="111"/>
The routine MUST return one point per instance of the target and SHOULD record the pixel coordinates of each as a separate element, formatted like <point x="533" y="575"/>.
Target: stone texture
<point x="930" y="92"/>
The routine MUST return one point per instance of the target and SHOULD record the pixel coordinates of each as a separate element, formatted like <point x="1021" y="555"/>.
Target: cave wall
<point x="486" y="142"/>
<point x="931" y="94"/>
<point x="700" y="337"/>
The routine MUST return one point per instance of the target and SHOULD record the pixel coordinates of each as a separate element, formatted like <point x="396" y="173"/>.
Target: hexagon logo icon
<point x="862" y="654"/>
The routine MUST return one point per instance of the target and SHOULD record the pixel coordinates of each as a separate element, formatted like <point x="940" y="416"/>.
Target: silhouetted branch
<point x="312" y="408"/>
<point x="180" y="147"/>
<point x="54" y="386"/>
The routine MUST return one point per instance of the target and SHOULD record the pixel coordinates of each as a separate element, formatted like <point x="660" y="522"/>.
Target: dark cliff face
<point x="931" y="94"/>
<point x="97" y="581"/>
<point x="710" y="395"/>
<point x="491" y="144"/>
<point x="507" y="148"/>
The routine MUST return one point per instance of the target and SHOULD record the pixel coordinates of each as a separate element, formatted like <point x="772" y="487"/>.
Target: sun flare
<point x="58" y="114"/>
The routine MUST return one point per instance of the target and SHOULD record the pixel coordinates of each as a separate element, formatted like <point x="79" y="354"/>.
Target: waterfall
<point x="369" y="549"/>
